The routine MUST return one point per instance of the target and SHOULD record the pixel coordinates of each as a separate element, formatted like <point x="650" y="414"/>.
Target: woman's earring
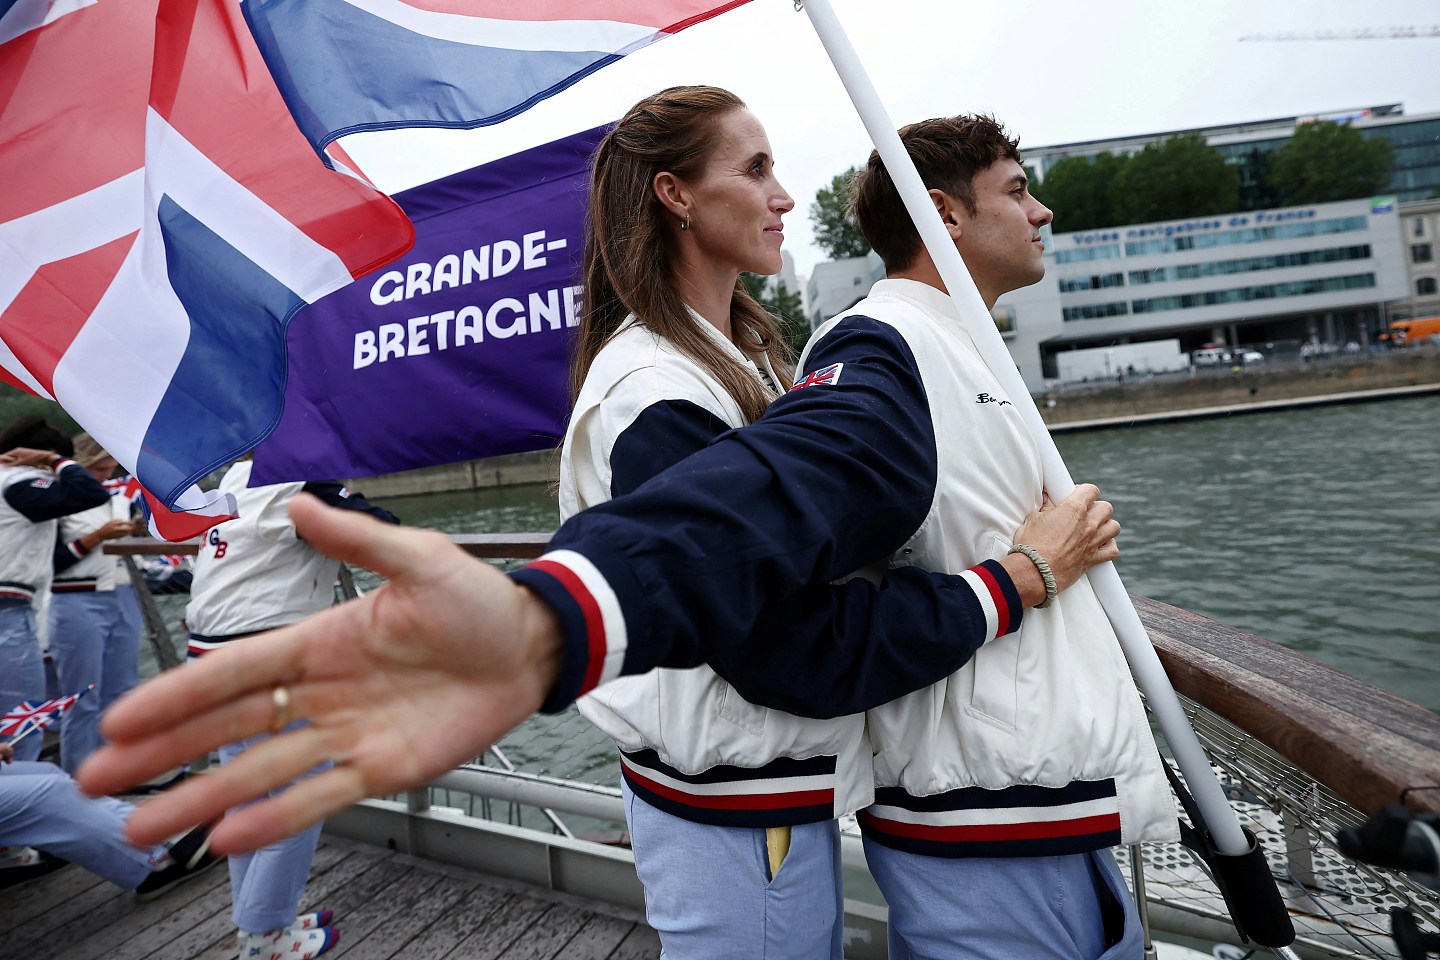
<point x="685" y="224"/>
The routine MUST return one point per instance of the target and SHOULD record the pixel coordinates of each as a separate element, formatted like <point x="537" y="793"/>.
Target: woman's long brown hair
<point x="626" y="268"/>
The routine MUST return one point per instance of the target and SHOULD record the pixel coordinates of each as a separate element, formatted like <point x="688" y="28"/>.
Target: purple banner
<point x="460" y="349"/>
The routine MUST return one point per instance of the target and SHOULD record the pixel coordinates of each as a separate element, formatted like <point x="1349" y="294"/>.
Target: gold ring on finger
<point x="280" y="697"/>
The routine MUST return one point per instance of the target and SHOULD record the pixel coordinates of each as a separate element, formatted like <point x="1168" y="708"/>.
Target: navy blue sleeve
<point x="661" y="436"/>
<point x="336" y="495"/>
<point x="839" y="649"/>
<point x="67" y="552"/>
<point x="831" y="478"/>
<point x="70" y="490"/>
<point x="862" y="644"/>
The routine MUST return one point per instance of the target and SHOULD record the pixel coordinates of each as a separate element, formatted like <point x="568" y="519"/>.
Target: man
<point x="854" y="468"/>
<point x="41" y="807"/>
<point x="38" y="484"/>
<point x="999" y="791"/>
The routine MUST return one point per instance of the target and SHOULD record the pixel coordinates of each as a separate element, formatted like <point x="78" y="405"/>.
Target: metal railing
<point x="1300" y="747"/>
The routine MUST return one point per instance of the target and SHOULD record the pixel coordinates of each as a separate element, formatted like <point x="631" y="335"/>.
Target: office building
<point x="1420" y="243"/>
<point x="1283" y="277"/>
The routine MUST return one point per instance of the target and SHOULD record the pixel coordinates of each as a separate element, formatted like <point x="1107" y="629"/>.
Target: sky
<point x="1054" y="72"/>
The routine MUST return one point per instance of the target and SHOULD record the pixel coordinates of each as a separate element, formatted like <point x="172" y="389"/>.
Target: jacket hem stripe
<point x="1039" y="847"/>
<point x="734" y="810"/>
<point x="992" y="832"/>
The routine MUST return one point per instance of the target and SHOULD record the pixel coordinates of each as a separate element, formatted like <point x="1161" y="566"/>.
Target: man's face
<point x="1000" y="242"/>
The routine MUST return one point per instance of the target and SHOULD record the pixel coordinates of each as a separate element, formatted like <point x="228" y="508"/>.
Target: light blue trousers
<point x="710" y="896"/>
<point x="41" y="807"/>
<point x="976" y="908"/>
<point x="122" y="654"/>
<point x="93" y="639"/>
<point x="22" y="672"/>
<point x="265" y="886"/>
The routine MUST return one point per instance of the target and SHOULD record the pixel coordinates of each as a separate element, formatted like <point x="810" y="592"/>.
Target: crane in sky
<point x="1412" y="32"/>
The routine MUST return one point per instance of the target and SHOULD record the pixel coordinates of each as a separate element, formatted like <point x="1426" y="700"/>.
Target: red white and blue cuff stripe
<point x="997" y="596"/>
<point x="591" y="621"/>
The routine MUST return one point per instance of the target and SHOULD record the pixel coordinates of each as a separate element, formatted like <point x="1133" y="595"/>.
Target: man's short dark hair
<point x="948" y="152"/>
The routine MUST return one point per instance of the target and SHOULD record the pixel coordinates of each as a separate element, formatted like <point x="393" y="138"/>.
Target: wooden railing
<point x="1368" y="746"/>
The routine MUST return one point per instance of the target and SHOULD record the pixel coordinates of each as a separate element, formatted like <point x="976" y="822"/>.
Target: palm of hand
<point x="399" y="686"/>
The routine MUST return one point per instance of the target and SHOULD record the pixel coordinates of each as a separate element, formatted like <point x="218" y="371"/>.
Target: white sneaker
<point x="18" y="857"/>
<point x="287" y="944"/>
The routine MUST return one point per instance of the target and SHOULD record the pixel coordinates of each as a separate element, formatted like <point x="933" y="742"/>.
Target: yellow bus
<point x="1408" y="331"/>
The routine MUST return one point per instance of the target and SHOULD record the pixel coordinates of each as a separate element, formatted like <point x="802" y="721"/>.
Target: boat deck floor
<point x="386" y="905"/>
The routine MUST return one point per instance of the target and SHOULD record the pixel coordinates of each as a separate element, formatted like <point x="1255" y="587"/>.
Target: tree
<point x="835" y="232"/>
<point x="1176" y="179"/>
<point x="1324" y="162"/>
<point x="784" y="306"/>
<point x="16" y="403"/>
<point x="1081" y="190"/>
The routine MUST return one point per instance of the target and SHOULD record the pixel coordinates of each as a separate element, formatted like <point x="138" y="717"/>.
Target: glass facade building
<point x="1274" y="278"/>
<point x="1415" y="140"/>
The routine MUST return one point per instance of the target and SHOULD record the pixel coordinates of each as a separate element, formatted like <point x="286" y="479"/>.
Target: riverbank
<point x="1253" y="389"/>
<point x="1214" y="393"/>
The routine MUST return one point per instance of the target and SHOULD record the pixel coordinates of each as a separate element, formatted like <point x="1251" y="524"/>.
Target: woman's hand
<point x="111" y="530"/>
<point x="1072" y="535"/>
<point x="422" y="673"/>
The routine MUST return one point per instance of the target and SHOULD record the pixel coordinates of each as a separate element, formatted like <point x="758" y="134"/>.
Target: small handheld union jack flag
<point x="824" y="376"/>
<point x="29" y="717"/>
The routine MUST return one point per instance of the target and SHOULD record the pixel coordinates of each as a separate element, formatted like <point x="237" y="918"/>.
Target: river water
<point x="1317" y="529"/>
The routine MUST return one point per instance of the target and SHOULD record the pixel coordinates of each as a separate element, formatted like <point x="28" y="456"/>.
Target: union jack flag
<point x="827" y="376"/>
<point x="29" y="717"/>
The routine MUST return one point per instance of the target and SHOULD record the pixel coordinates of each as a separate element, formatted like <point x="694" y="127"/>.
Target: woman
<point x="673" y="351"/>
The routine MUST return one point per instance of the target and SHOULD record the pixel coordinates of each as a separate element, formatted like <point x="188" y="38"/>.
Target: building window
<point x="1421" y="253"/>
<point x="1418" y="226"/>
<point x="1095" y="282"/>
<point x="1425" y="287"/>
<point x="1277" y="261"/>
<point x="1092" y="310"/>
<point x="1296" y="288"/>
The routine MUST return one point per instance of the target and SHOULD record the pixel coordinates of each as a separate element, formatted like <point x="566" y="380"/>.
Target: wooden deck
<point x="386" y="905"/>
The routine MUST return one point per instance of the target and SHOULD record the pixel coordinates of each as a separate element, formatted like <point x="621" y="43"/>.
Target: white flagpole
<point x="1218" y="816"/>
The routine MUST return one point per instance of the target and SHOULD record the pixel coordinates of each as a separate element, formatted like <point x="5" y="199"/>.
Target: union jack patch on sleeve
<point x="826" y="376"/>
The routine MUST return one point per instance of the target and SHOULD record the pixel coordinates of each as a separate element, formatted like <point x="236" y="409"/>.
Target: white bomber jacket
<point x="689" y="743"/>
<point x="1039" y="745"/>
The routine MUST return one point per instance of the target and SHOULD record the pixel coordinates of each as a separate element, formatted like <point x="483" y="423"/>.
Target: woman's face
<point x="736" y="201"/>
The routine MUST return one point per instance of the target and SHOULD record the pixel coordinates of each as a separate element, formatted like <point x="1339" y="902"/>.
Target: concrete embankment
<point x="1252" y="390"/>
<point x="507" y="471"/>
<point x="1215" y="393"/>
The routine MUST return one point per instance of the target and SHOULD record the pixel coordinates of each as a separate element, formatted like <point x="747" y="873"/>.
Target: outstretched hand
<point x="422" y="673"/>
